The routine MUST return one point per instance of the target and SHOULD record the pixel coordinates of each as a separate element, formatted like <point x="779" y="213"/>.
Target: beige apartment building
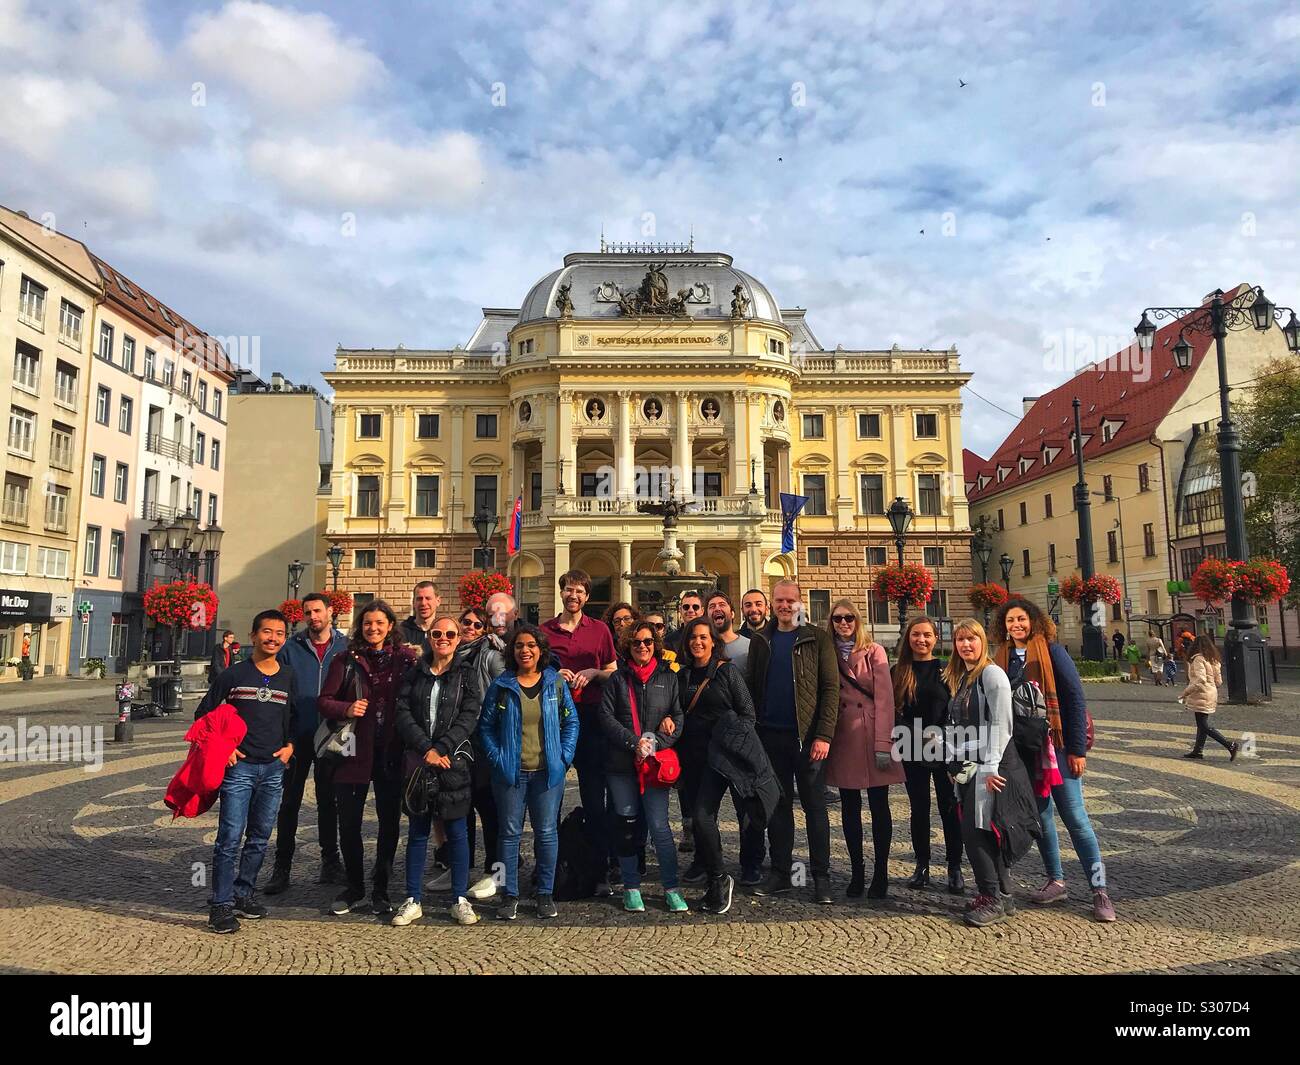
<point x="1150" y="464"/>
<point x="602" y="391"/>
<point x="48" y="288"/>
<point x="276" y="496"/>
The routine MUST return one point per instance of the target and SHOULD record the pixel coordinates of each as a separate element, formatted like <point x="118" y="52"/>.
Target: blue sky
<point x="374" y="174"/>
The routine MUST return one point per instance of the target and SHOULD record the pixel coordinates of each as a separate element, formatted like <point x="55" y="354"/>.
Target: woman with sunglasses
<point x="860" y="752"/>
<point x="921" y="703"/>
<point x="472" y="625"/>
<point x="361" y="685"/>
<point x="437" y="711"/>
<point x="640" y="714"/>
<point x="529" y="733"/>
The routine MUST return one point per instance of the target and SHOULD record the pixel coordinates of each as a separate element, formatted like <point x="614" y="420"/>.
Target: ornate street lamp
<point x="900" y="520"/>
<point x="335" y="555"/>
<point x="1006" y="562"/>
<point x="181" y="548"/>
<point x="1245" y="650"/>
<point x="983" y="547"/>
<point x="485" y="525"/>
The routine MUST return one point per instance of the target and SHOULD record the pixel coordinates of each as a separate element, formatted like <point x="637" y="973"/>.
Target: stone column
<point x="738" y="442"/>
<point x="397" y="476"/>
<point x="754" y="552"/>
<point x="689" y="548"/>
<point x="340" y="504"/>
<point x="566" y="446"/>
<point x="754" y="445"/>
<point x="682" y="447"/>
<point x="561" y="563"/>
<point x="623" y="448"/>
<point x="456" y="510"/>
<point x="843" y="505"/>
<point x="550" y="445"/>
<point x="624" y="566"/>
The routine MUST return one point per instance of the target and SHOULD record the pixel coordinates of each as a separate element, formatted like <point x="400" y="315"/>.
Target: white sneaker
<point x="484" y="889"/>
<point x="462" y="912"/>
<point x="408" y="911"/>
<point x="440" y="882"/>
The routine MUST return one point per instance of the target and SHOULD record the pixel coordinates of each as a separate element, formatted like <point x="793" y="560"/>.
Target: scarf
<point x="1038" y="668"/>
<point x="845" y="647"/>
<point x="643" y="673"/>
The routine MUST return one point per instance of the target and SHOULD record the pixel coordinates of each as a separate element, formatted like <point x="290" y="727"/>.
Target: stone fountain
<point x="669" y="580"/>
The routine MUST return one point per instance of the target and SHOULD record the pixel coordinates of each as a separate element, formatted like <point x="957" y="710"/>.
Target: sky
<point x="309" y="175"/>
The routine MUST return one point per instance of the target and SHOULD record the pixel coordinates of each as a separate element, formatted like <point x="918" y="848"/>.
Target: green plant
<point x="1088" y="668"/>
<point x="95" y="665"/>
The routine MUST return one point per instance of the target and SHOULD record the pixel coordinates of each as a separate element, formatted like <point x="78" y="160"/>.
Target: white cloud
<point x="284" y="60"/>
<point x="368" y="172"/>
<point x="38" y="109"/>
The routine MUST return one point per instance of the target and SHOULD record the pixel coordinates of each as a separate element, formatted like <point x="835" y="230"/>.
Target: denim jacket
<point x="500" y="728"/>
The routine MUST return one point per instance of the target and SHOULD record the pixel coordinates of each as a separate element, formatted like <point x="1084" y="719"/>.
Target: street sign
<point x="1053" y="589"/>
<point x="1128" y="606"/>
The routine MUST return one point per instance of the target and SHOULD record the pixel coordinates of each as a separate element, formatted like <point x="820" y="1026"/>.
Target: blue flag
<point x="790" y="507"/>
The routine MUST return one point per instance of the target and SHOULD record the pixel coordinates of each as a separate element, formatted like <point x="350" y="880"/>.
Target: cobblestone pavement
<point x="1202" y="859"/>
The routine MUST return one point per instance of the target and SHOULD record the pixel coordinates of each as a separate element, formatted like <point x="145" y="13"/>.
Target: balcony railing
<point x="152" y="511"/>
<point x="168" y="448"/>
<point x="66" y="395"/>
<point x="700" y="507"/>
<point x="15" y="512"/>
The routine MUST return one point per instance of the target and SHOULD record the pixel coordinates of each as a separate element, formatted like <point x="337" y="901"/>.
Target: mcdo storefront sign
<point x="25" y="606"/>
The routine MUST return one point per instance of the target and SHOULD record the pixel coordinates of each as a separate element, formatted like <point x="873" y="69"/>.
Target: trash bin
<point x="165" y="689"/>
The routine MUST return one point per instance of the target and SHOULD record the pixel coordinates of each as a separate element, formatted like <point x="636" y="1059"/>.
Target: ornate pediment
<point x="485" y="462"/>
<point x="928" y="460"/>
<point x="652" y="296"/>
<point x="872" y="460"/>
<point x="814" y="461"/>
<point x="366" y="461"/>
<point x="423" y="459"/>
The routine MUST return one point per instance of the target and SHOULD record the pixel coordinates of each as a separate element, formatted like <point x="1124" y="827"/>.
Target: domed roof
<point x="595" y="280"/>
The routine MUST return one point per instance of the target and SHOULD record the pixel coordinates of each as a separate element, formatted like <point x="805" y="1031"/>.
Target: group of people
<point x="469" y="722"/>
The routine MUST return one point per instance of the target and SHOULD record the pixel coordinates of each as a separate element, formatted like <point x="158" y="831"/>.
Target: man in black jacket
<point x="262" y="692"/>
<point x="753" y="608"/>
<point x="424" y="608"/>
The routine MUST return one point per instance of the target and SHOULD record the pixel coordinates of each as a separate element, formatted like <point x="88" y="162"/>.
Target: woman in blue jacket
<point x="529" y="731"/>
<point x="1027" y="649"/>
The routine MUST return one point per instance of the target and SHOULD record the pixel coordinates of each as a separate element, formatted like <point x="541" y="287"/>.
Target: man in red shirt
<point x="584" y="651"/>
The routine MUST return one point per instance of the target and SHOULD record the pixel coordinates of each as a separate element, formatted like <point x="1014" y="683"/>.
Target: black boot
<point x="687" y="845"/>
<point x="380" y="903"/>
<point x="879" y="887"/>
<point x="956" y="883"/>
<point x="920" y="878"/>
<point x="279" y="881"/>
<point x="857" y="883"/>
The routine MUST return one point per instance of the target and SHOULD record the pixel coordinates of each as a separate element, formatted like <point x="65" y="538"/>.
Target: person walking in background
<point x="309" y="654"/>
<point x="529" y="730"/>
<point x="1134" y="657"/>
<point x="1201" y="696"/>
<point x="1156" y="655"/>
<point x="223" y="655"/>
<point x="860" y="755"/>
<point x="361" y="686"/>
<point x="1117" y="641"/>
<point x="437" y="709"/>
<point x="921" y="700"/>
<point x="1027" y="648"/>
<point x="640" y="715"/>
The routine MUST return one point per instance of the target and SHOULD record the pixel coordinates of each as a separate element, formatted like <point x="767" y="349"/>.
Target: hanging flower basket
<point x="188" y="604"/>
<point x="910" y="581"/>
<point x="292" y="610"/>
<point x="340" y="602"/>
<point x="1215" y="580"/>
<point x="988" y="596"/>
<point x="1262" y="580"/>
<point x="1072" y="589"/>
<point x="477" y="585"/>
<point x="1100" y="587"/>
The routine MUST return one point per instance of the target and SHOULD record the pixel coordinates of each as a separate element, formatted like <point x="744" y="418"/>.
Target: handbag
<point x="420" y="792"/>
<point x="661" y="769"/>
<point x="335" y="740"/>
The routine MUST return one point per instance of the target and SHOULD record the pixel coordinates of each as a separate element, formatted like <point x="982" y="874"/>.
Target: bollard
<point x="124" y="730"/>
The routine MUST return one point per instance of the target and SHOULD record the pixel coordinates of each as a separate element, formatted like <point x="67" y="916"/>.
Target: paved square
<point x="1202" y="858"/>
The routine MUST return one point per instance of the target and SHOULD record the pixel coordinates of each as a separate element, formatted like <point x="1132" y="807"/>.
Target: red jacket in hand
<point x="213" y="739"/>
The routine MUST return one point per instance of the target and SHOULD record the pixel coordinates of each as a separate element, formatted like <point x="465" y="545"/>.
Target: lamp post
<point x="1093" y="648"/>
<point x="983" y="547"/>
<point x="1245" y="650"/>
<point x="296" y="568"/>
<point x="900" y="520"/>
<point x="1006" y="562"/>
<point x="1123" y="562"/>
<point x="182" y="547"/>
<point x="485" y="525"/>
<point x="335" y="556"/>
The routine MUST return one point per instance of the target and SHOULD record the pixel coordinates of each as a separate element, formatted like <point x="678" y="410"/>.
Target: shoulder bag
<point x="335" y="740"/>
<point x="661" y="769"/>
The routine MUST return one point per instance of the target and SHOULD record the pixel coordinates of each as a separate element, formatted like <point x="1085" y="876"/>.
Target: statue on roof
<point x="563" y="301"/>
<point x="739" y="302"/>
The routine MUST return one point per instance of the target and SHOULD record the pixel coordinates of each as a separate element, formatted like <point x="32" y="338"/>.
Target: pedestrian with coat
<point x="361" y="687"/>
<point x="861" y="752"/>
<point x="529" y="732"/>
<point x="437" y="711"/>
<point x="641" y="716"/>
<point x="1201" y="696"/>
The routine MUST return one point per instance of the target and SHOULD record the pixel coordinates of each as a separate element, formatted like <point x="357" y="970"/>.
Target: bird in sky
<point x="961" y="84"/>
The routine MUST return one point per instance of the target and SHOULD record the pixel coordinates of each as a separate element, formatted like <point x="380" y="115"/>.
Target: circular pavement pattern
<point x="1202" y="859"/>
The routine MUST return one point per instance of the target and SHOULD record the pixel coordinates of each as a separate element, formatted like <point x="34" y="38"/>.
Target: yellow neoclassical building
<point x="625" y="374"/>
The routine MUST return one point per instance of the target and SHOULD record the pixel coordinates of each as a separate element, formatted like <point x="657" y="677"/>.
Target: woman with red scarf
<point x="639" y="715"/>
<point x="362" y="686"/>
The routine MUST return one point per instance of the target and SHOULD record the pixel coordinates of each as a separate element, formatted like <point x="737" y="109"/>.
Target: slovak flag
<point x="516" y="532"/>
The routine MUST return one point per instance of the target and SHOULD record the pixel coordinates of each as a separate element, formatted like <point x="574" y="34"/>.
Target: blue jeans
<point x="417" y="853"/>
<point x="543" y="805"/>
<point x="1068" y="797"/>
<point x="628" y="802"/>
<point x="250" y="799"/>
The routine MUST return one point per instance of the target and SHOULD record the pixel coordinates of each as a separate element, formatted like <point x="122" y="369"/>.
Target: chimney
<point x="277" y="382"/>
<point x="1027" y="403"/>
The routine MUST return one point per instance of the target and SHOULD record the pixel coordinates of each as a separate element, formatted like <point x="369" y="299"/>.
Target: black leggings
<point x="351" y="802"/>
<point x="1204" y="729"/>
<point x="882" y="826"/>
<point x="484" y="804"/>
<point x="991" y="873"/>
<point x="919" y="775"/>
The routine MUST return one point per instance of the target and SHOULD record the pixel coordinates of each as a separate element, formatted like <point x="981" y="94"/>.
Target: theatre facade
<point x="624" y="375"/>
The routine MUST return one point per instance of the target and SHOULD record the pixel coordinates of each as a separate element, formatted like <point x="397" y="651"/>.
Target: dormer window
<point x="983" y="480"/>
<point x="1003" y="472"/>
<point x="1108" y="430"/>
<point x="1025" y="464"/>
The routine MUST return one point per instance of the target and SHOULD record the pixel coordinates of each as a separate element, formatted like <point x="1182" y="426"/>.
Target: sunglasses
<point x="443" y="634"/>
<point x="643" y="643"/>
<point x="659" y="626"/>
<point x="692" y="609"/>
<point x="472" y="624"/>
<point x="840" y="619"/>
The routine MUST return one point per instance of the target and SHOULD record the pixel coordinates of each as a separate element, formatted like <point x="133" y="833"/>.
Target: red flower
<point x="292" y="610"/>
<point x="475" y="587"/>
<point x="910" y="581"/>
<point x="185" y="603"/>
<point x="340" y="602"/>
<point x="988" y="596"/>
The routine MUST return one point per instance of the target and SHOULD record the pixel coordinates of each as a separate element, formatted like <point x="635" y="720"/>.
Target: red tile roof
<point x="970" y="464"/>
<point x="1106" y="390"/>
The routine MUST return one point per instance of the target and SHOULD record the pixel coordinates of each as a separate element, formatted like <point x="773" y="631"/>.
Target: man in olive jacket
<point x="797" y="708"/>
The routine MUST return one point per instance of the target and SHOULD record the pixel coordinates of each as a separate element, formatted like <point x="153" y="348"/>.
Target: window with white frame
<point x="56" y="508"/>
<point x="116" y="548"/>
<point x="52" y="562"/>
<point x="216" y="403"/>
<point x="27" y="367"/>
<point x="65" y="384"/>
<point x="31" y="302"/>
<point x="150" y="363"/>
<point x="216" y="454"/>
<point x="124" y="412"/>
<point x="128" y="354"/>
<point x="169" y="373"/>
<point x="17" y="494"/>
<point x="200" y="447"/>
<point x="70" y="318"/>
<point x="187" y="380"/>
<point x="91" y="569"/>
<point x="203" y="395"/>
<point x="196" y="502"/>
<point x="120" y="481"/>
<point x="13" y="558"/>
<point x="105" y="349"/>
<point x="927" y="426"/>
<point x="212" y="509"/>
<point x="98" y="465"/>
<point x="22" y="431"/>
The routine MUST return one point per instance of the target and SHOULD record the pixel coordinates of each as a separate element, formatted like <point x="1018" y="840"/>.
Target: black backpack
<point x="1029" y="727"/>
<point x="577" y="869"/>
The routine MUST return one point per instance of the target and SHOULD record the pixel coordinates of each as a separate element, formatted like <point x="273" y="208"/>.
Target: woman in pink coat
<point x="861" y="750"/>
